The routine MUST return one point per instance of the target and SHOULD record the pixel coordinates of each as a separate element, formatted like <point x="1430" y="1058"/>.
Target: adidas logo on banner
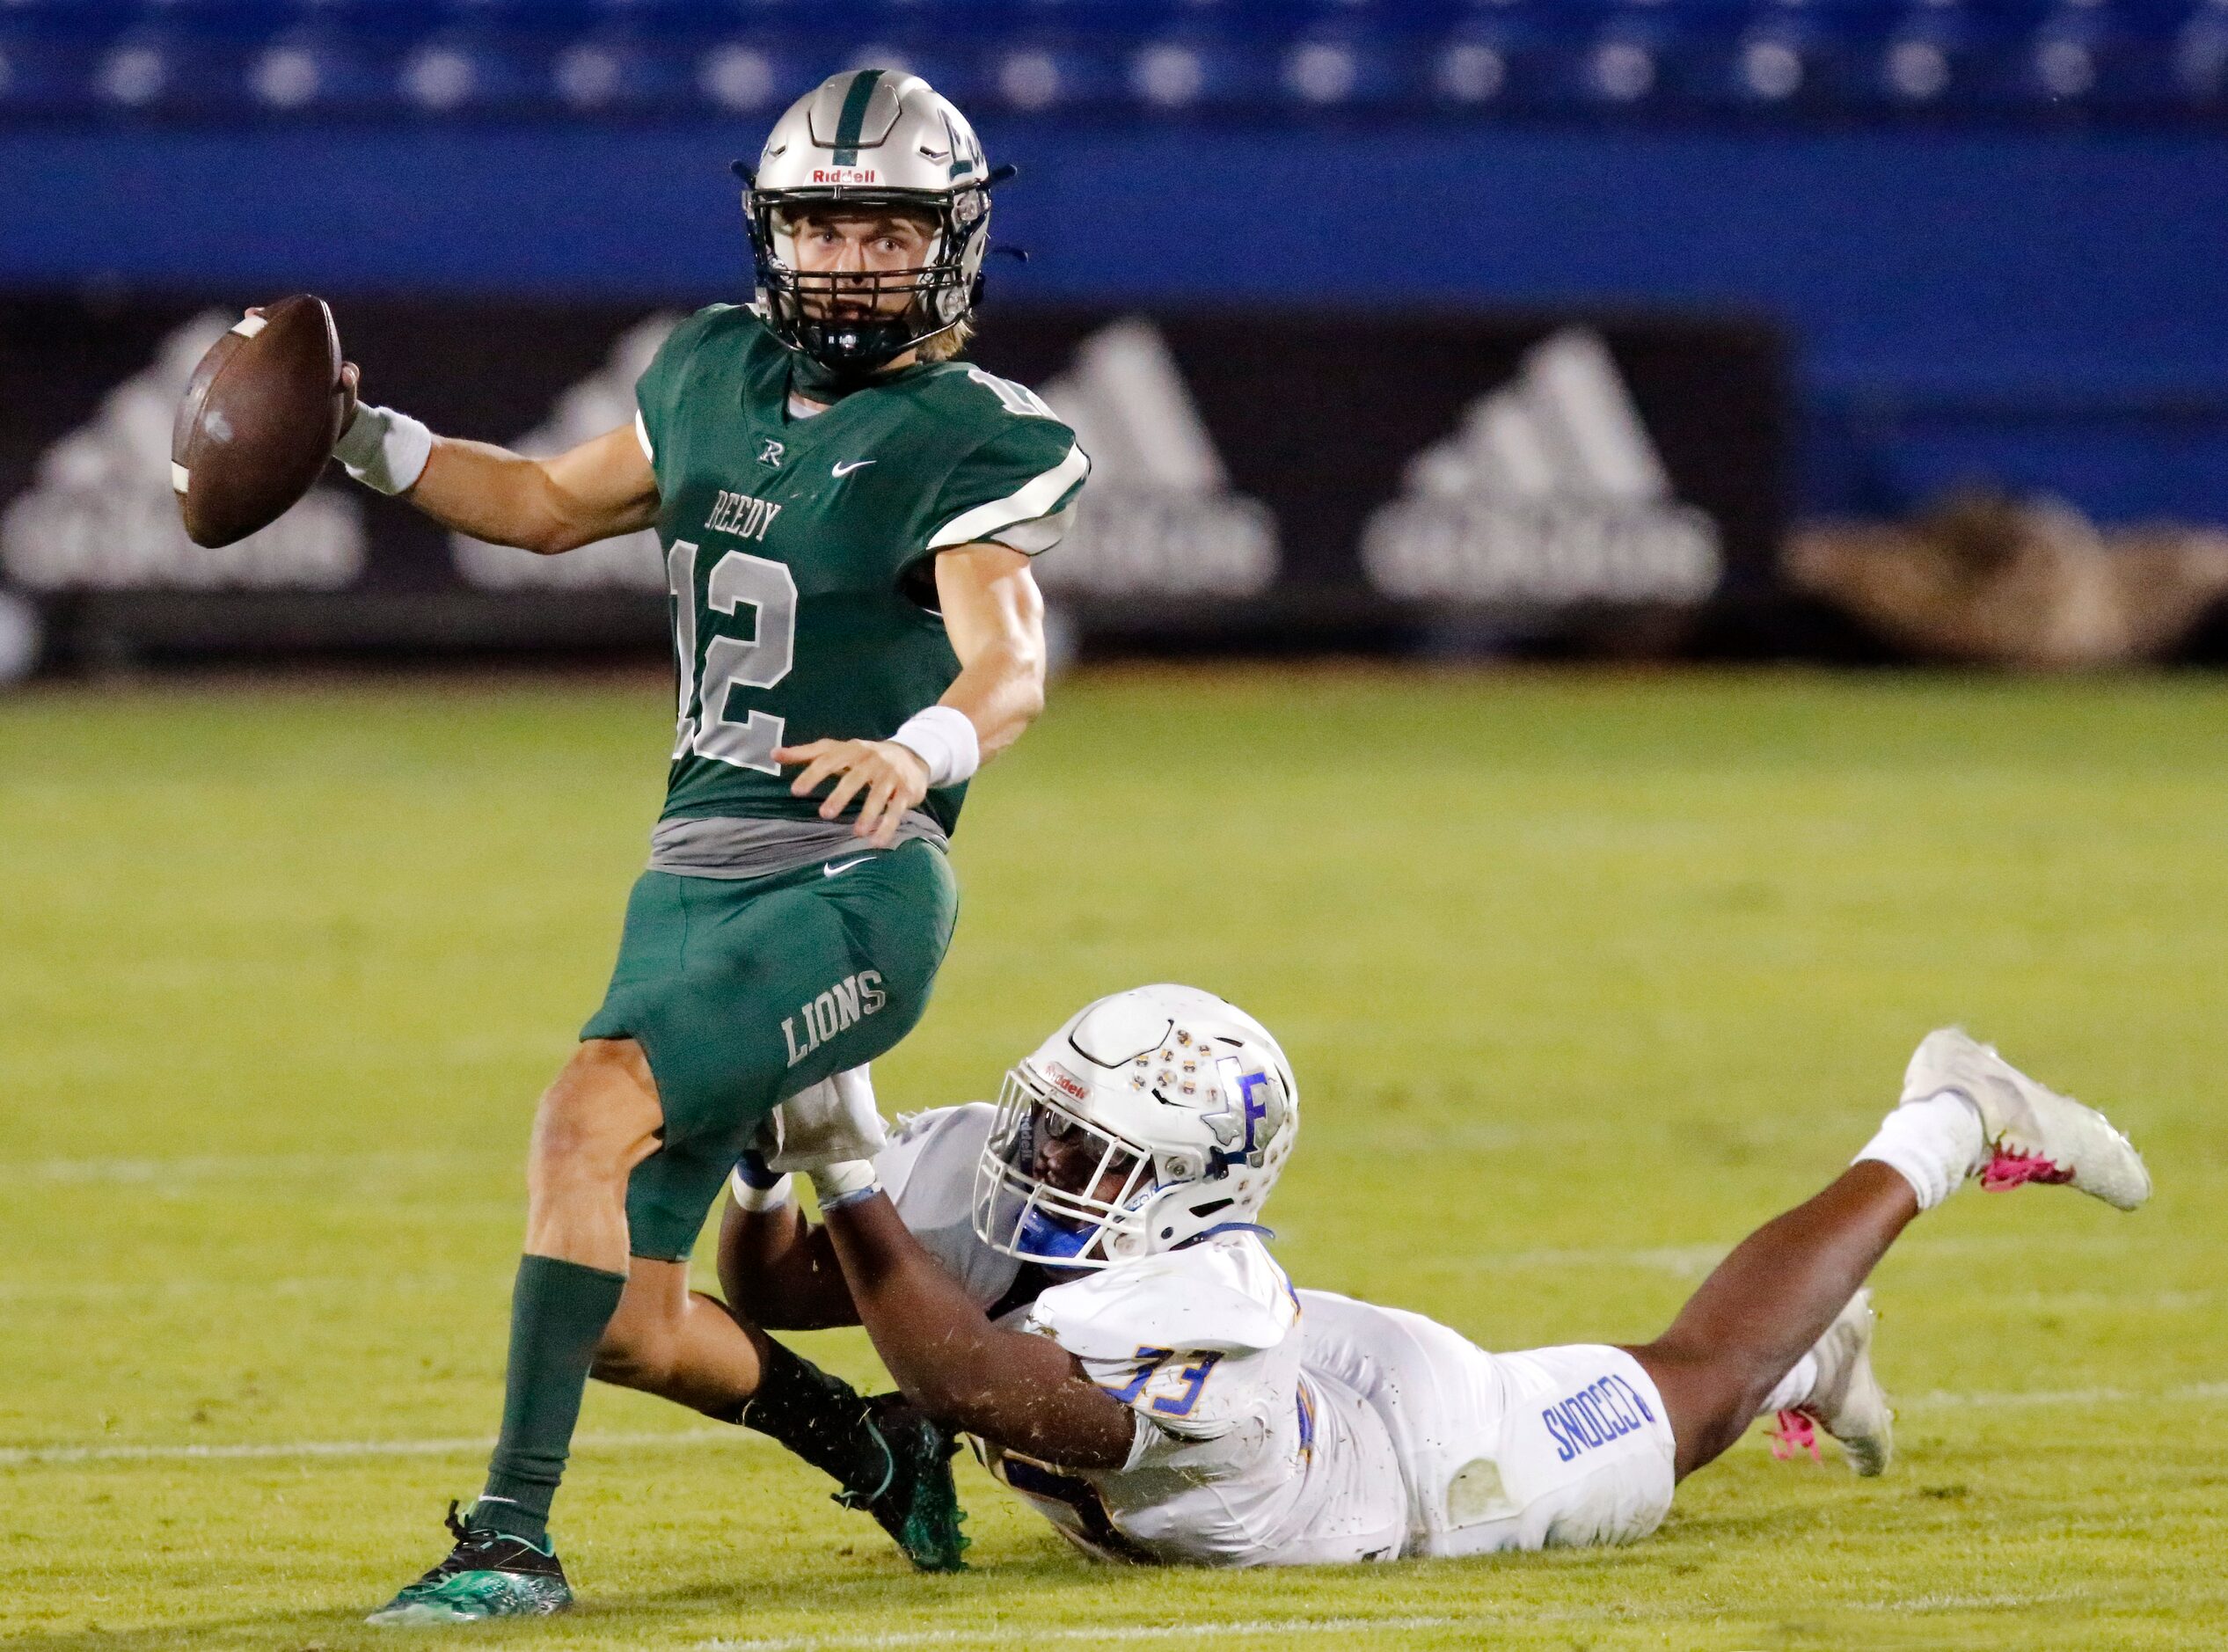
<point x="1550" y="491"/>
<point x="599" y="403"/>
<point x="1159" y="517"/>
<point x="100" y="516"/>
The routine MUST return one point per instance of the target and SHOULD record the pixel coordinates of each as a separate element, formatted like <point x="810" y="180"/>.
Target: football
<point x="258" y="421"/>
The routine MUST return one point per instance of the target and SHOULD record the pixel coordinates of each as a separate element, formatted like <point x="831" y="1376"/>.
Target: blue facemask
<point x="1044" y="1235"/>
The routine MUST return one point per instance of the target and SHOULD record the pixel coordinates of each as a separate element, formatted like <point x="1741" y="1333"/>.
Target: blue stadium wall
<point x="2045" y="306"/>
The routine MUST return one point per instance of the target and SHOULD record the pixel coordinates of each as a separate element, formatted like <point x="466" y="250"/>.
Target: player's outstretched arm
<point x="603" y="486"/>
<point x="1024" y="1393"/>
<point x="995" y="617"/>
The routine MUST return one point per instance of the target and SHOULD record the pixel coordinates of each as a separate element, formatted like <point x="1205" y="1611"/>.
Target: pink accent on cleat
<point x="1792" y="1434"/>
<point x="2008" y="1170"/>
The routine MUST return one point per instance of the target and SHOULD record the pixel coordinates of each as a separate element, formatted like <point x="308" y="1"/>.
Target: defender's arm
<point x="1025" y="1393"/>
<point x="995" y="617"/>
<point x="779" y="1271"/>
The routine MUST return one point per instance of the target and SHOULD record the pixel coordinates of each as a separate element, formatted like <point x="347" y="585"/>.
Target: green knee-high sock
<point x="557" y="1312"/>
<point x="820" y="1417"/>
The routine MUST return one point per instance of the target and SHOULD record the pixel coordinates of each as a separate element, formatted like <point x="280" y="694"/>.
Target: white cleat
<point x="1847" y="1400"/>
<point x="2034" y="1133"/>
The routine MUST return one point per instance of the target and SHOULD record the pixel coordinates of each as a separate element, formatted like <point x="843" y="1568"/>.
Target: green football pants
<point x="743" y="991"/>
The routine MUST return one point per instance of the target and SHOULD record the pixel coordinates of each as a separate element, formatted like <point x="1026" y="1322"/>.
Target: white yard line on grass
<point x="1920" y="1603"/>
<point x="1036" y="1636"/>
<point x="2078" y="1398"/>
<point x="1692" y="1261"/>
<point x="37" y="1455"/>
<point x="1680" y="1261"/>
<point x="205" y="1166"/>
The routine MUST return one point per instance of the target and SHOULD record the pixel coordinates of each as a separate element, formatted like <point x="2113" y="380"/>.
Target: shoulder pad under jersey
<point x="1018" y="468"/>
<point x="1225" y="1296"/>
<point x="927" y="1170"/>
<point x="931" y="1156"/>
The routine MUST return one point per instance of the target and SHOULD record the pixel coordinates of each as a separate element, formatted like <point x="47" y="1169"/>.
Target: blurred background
<point x="1853" y="332"/>
<point x="1735" y="329"/>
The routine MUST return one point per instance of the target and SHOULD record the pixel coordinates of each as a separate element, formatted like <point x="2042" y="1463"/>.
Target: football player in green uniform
<point x="848" y="514"/>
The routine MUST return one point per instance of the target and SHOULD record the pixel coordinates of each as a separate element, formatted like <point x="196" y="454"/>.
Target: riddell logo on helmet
<point x="844" y="175"/>
<point x="1066" y="1083"/>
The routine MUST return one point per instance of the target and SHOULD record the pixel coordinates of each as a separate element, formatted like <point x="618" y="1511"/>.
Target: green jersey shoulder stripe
<point x="1037" y="497"/>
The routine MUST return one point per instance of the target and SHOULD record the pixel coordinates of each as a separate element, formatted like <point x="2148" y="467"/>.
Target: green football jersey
<point x="800" y="551"/>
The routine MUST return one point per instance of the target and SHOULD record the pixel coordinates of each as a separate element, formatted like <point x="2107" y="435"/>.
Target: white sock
<point x="1794" y="1387"/>
<point x="1933" y="1144"/>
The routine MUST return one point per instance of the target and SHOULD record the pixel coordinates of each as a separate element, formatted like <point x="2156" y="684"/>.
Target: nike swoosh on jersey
<point x="832" y="868"/>
<point x="846" y="468"/>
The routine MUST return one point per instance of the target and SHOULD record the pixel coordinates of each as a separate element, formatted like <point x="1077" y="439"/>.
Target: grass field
<point x="1582" y="978"/>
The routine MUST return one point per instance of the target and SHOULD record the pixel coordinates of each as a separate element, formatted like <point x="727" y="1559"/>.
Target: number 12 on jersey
<point x="730" y="662"/>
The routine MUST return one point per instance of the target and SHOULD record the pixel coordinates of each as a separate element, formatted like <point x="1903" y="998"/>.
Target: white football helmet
<point x="1184" y="1104"/>
<point x="871" y="137"/>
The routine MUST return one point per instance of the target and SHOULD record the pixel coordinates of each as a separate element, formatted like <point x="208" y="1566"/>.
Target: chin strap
<point x="811" y="376"/>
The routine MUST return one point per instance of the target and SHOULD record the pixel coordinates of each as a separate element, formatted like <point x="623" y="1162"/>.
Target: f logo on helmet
<point x="1248" y="1095"/>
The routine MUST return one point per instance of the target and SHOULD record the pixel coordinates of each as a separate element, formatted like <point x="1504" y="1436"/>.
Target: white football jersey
<point x="1242" y="1456"/>
<point x="927" y="1168"/>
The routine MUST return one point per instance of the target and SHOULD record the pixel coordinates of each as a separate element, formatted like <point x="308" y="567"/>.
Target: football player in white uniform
<point x="1077" y="1278"/>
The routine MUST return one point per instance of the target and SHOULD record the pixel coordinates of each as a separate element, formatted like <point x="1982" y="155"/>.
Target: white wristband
<point x="944" y="738"/>
<point x="746" y="1197"/>
<point x="832" y="1183"/>
<point x="383" y="449"/>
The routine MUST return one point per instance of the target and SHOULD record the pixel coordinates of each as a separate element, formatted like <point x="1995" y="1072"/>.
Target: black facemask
<point x="846" y="353"/>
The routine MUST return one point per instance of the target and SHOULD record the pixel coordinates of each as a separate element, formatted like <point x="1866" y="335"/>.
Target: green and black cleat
<point x="916" y="1503"/>
<point x="487" y="1574"/>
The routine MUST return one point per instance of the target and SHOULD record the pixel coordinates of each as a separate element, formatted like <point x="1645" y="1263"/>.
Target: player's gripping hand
<point x="383" y="449"/>
<point x="886" y="778"/>
<point x="351" y="379"/>
<point x="834" y="1122"/>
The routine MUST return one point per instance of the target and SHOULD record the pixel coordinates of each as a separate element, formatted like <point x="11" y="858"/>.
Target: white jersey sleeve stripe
<point x="642" y="435"/>
<point x="1039" y="534"/>
<point x="1034" y="499"/>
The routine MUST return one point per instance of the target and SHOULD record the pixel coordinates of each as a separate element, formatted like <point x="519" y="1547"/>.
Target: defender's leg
<point x="1741" y="1345"/>
<point x="1766" y="1306"/>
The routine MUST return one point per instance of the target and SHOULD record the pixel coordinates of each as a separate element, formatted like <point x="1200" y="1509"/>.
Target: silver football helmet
<point x="870" y="137"/>
<point x="1151" y="1118"/>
